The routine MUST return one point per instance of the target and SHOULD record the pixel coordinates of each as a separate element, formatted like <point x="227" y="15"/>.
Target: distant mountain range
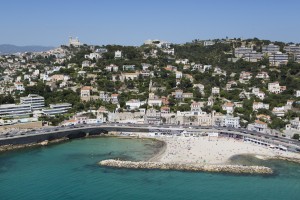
<point x="10" y="49"/>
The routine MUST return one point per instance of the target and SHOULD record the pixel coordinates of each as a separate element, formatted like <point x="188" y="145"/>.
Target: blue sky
<point x="130" y="22"/>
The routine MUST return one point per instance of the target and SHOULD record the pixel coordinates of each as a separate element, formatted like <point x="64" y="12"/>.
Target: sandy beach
<point x="216" y="151"/>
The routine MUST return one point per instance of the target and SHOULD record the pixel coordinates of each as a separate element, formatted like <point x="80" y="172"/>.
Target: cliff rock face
<point x="187" y="167"/>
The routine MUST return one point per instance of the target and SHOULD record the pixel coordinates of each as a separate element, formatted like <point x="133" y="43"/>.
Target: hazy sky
<point x="130" y="22"/>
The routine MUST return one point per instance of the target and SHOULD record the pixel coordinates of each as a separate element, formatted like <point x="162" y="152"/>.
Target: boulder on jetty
<point x="240" y="169"/>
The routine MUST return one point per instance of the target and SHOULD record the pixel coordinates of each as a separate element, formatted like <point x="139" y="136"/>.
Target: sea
<point x="70" y="171"/>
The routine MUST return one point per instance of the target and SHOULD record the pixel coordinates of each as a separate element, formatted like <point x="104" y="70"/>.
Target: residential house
<point x="258" y="126"/>
<point x="297" y="93"/>
<point x="279" y="111"/>
<point x="182" y="61"/>
<point x="215" y="91"/>
<point x="114" y="98"/>
<point x="86" y="63"/>
<point x="154" y="100"/>
<point x="93" y="56"/>
<point x="200" y="87"/>
<point x="258" y="93"/>
<point x="145" y="66"/>
<point x="134" y="104"/>
<point x="262" y="75"/>
<point x="178" y="94"/>
<point x="85" y="93"/>
<point x="260" y="105"/>
<point x="232" y="122"/>
<point x="165" y="110"/>
<point x="129" y="76"/>
<point x="128" y="67"/>
<point x="208" y="43"/>
<point x="262" y="117"/>
<point x="245" y="77"/>
<point x="118" y="54"/>
<point x="276" y="88"/>
<point x="153" y="116"/>
<point x="104" y="96"/>
<point x="187" y="95"/>
<point x="230" y="84"/>
<point x="228" y="107"/>
<point x="19" y="86"/>
<point x="294" y="125"/>
<point x="196" y="107"/>
<point x="111" y="68"/>
<point x="178" y="74"/>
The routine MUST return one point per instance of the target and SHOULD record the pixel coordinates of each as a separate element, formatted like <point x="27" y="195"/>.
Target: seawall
<point x="35" y="139"/>
<point x="238" y="169"/>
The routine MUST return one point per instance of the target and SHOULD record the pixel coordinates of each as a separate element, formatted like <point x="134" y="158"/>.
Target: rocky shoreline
<point x="237" y="169"/>
<point x="11" y="147"/>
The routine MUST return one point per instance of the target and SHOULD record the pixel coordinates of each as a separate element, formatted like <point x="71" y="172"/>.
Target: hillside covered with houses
<point x="252" y="83"/>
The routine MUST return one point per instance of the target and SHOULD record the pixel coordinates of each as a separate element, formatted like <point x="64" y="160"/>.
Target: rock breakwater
<point x="239" y="169"/>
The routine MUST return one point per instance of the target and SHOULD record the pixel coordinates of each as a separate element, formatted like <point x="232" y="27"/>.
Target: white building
<point x="93" y="56"/>
<point x="153" y="116"/>
<point x="182" y="61"/>
<point x="86" y="63"/>
<point x="19" y="86"/>
<point x="228" y="107"/>
<point x="241" y="51"/>
<point x="37" y="102"/>
<point x="208" y="43"/>
<point x="277" y="59"/>
<point x="118" y="54"/>
<point x="292" y="49"/>
<point x="154" y="100"/>
<point x="256" y="91"/>
<point x="262" y="75"/>
<point x="169" y="51"/>
<point x="233" y="122"/>
<point x="200" y="87"/>
<point x="297" y="93"/>
<point x="271" y="48"/>
<point x="245" y="77"/>
<point x="114" y="98"/>
<point x="252" y="56"/>
<point x="215" y="90"/>
<point x="258" y="126"/>
<point x="279" y="111"/>
<point x="276" y="88"/>
<point x="15" y="111"/>
<point x="134" y="104"/>
<point x="56" y="109"/>
<point x="85" y="93"/>
<point x="260" y="105"/>
<point x="294" y="125"/>
<point x="178" y="74"/>
<point x="74" y="42"/>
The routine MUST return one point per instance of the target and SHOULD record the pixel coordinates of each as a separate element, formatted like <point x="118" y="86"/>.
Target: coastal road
<point x="154" y="128"/>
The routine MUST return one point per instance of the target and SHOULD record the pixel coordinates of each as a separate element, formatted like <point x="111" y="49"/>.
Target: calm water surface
<point x="70" y="171"/>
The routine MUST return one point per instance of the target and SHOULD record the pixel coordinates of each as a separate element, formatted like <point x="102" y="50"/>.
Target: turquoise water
<point x="70" y="171"/>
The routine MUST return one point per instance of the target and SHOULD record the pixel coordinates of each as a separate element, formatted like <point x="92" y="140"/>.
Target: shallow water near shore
<point x="70" y="171"/>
